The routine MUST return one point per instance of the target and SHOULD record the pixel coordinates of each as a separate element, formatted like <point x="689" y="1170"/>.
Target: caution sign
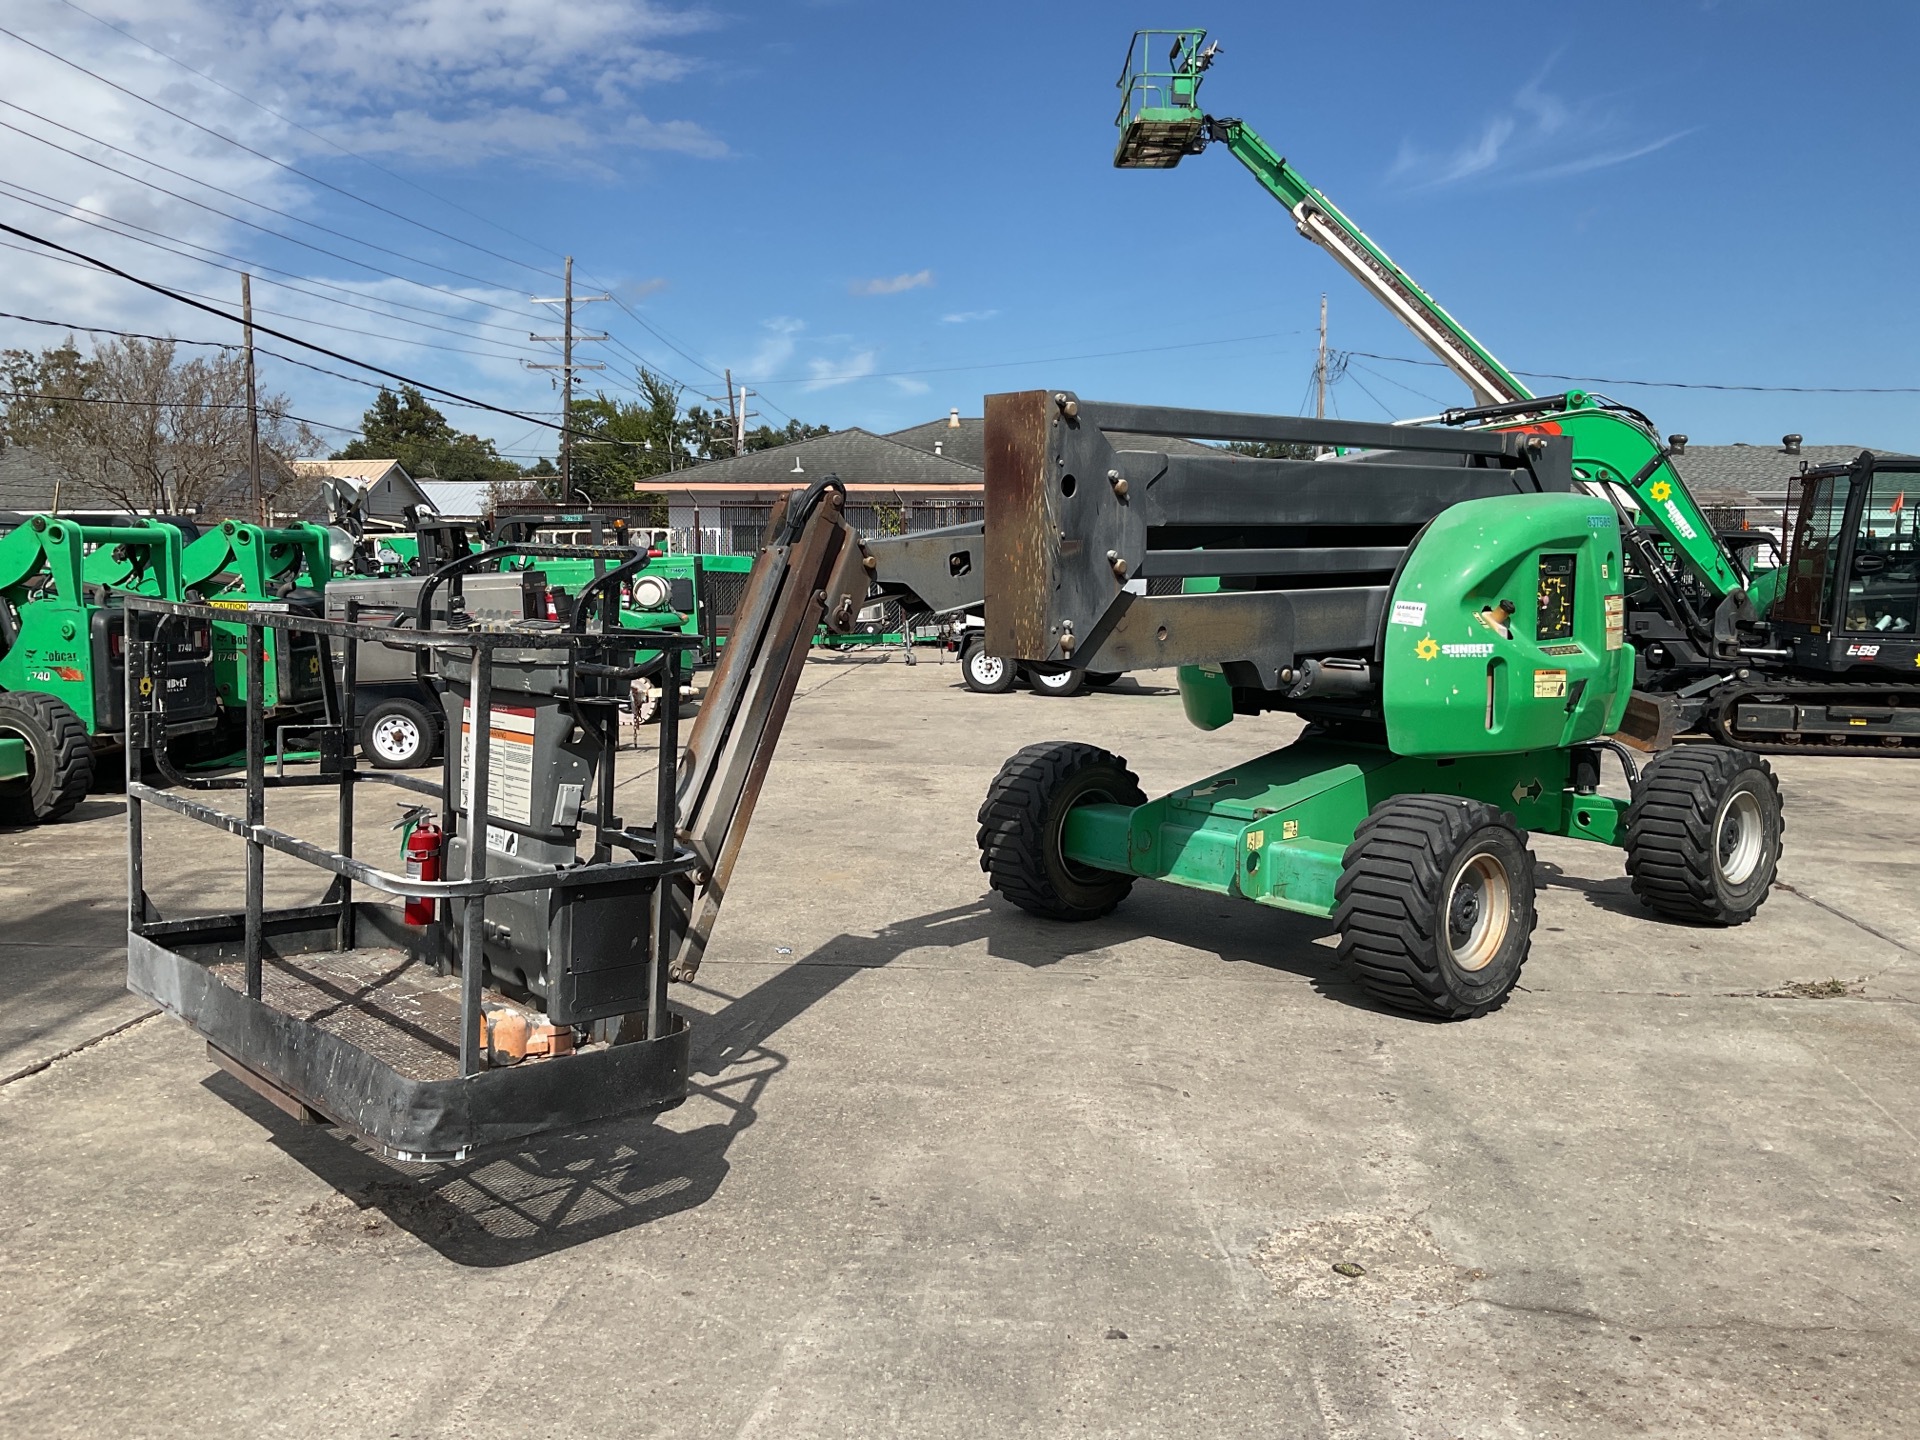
<point x="1616" y="621"/>
<point x="1549" y="684"/>
<point x="509" y="763"/>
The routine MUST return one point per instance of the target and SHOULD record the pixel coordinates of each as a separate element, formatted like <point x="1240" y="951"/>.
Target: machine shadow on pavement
<point x="506" y="1206"/>
<point x="1613" y="894"/>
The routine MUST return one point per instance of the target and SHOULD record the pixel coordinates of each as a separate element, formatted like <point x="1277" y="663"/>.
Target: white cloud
<point x="908" y="385"/>
<point x="1539" y="136"/>
<point x="893" y="284"/>
<point x="777" y="348"/>
<point x="406" y="81"/>
<point x="828" y="373"/>
<point x="967" y="317"/>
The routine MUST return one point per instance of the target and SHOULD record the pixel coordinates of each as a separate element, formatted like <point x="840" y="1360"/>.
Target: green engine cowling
<point x="1505" y="629"/>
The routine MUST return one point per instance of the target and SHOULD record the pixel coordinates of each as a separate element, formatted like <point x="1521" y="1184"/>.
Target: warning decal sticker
<point x="509" y="763"/>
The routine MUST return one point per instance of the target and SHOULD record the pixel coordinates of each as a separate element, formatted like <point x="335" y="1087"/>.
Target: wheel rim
<point x="1479" y="911"/>
<point x="395" y="737"/>
<point x="988" y="669"/>
<point x="1058" y="680"/>
<point x="1739" y="837"/>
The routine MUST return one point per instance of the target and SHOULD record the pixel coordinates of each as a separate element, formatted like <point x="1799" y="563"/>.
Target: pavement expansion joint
<point x="73" y="1050"/>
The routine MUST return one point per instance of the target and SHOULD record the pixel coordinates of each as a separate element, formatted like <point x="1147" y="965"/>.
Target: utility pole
<point x="1320" y="365"/>
<point x="253" y="404"/>
<point x="737" y="412"/>
<point x="566" y="367"/>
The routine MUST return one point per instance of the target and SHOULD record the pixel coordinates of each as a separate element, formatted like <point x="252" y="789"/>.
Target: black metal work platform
<point x="369" y="1038"/>
<point x="344" y="1010"/>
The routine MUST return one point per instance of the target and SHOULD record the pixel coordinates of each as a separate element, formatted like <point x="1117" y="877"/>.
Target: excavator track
<point x="1803" y="717"/>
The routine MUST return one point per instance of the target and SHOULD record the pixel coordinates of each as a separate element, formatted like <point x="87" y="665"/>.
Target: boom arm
<point x="1161" y="121"/>
<point x="1321" y="221"/>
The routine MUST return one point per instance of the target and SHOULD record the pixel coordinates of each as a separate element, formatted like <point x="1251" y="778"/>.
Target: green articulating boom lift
<point x="1720" y="649"/>
<point x="62" y="655"/>
<point x="1445" y="608"/>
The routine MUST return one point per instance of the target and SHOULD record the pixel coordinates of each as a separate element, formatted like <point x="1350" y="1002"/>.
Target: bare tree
<point x="140" y="428"/>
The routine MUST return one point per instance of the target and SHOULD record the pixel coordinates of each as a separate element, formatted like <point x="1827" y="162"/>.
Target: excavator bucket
<point x="1160" y="120"/>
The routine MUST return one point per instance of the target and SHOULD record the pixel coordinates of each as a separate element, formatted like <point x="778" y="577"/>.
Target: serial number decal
<point x="1560" y="650"/>
<point x="1409" y="612"/>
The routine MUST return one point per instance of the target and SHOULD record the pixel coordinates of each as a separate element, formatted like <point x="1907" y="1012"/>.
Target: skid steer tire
<point x="1022" y="819"/>
<point x="1703" y="834"/>
<point x="59" y="757"/>
<point x="985" y="674"/>
<point x="1435" y="905"/>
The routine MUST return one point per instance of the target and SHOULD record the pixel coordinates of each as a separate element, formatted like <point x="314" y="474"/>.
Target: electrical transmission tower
<point x="566" y="367"/>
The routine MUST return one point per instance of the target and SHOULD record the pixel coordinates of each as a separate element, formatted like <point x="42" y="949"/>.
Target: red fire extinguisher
<point x="421" y="846"/>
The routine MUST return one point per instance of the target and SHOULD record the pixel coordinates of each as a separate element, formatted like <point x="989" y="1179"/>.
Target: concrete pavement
<point x="951" y="1170"/>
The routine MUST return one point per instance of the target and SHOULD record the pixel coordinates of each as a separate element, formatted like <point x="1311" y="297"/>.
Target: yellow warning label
<point x="1255" y="839"/>
<point x="1616" y="621"/>
<point x="1549" y="684"/>
<point x="1289" y="829"/>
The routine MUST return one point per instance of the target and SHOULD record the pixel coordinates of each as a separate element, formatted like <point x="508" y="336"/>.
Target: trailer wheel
<point x="1100" y="679"/>
<point x="1022" y="819"/>
<point x="1056" y="682"/>
<point x="1703" y="834"/>
<point x="398" y="734"/>
<point x="59" y="757"/>
<point x="1435" y="905"/>
<point x="984" y="673"/>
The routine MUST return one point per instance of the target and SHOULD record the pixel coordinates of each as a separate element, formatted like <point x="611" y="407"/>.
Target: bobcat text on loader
<point x="1444" y="608"/>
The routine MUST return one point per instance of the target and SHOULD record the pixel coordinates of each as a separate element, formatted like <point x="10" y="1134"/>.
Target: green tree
<point x="136" y="426"/>
<point x="407" y="427"/>
<point x="1271" y="449"/>
<point x="618" y="442"/>
<point x="765" y="437"/>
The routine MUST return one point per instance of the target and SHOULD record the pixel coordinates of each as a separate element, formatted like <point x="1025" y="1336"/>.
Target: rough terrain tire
<point x="1056" y="682"/>
<point x="59" y="757"/>
<point x="398" y="734"/>
<point x="1021" y="822"/>
<point x="1435" y="905"/>
<point x="983" y="673"/>
<point x="1703" y="834"/>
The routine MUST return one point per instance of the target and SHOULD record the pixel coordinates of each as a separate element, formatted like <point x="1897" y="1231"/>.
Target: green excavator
<point x="1820" y="652"/>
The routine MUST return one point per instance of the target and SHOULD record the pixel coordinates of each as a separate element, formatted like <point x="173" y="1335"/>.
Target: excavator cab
<point x="1852" y="593"/>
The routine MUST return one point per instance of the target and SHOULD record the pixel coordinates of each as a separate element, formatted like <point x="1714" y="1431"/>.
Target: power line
<point x="239" y="270"/>
<point x="232" y="319"/>
<point x="240" y="145"/>
<point x="1679" y="384"/>
<point x="163" y="405"/>
<point x="124" y="334"/>
<point x="242" y="220"/>
<point x="74" y="212"/>
<point x="325" y="140"/>
<point x="1417" y="394"/>
<point x="651" y="330"/>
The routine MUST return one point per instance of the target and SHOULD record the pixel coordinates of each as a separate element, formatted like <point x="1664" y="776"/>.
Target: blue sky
<point x="874" y="212"/>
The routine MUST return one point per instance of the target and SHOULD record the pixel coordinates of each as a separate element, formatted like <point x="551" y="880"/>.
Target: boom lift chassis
<point x="1443" y="607"/>
<point x="428" y="1041"/>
